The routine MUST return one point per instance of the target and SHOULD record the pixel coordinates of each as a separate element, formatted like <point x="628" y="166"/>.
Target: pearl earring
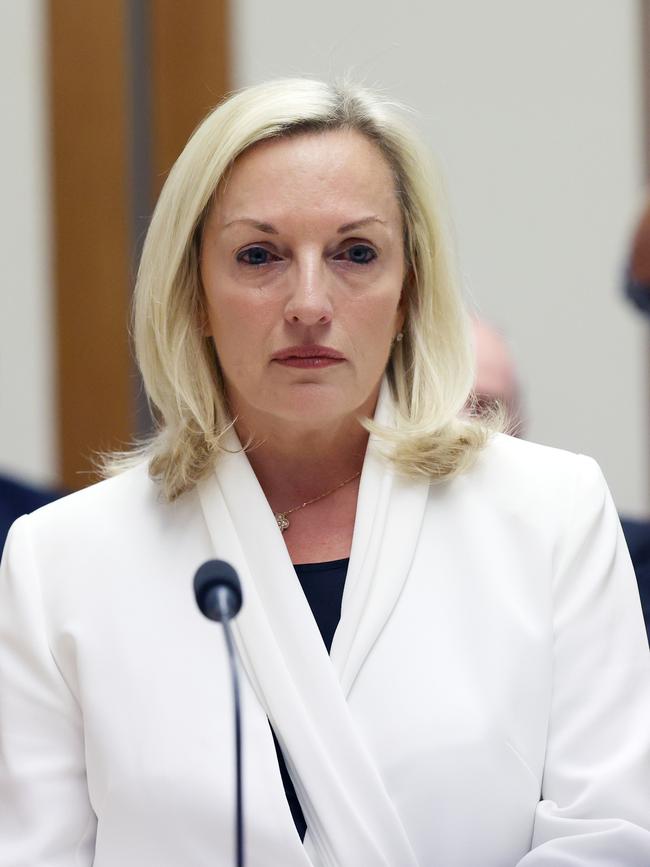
<point x="399" y="337"/>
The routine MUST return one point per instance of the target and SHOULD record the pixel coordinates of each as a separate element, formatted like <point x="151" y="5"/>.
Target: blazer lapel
<point x="382" y="552"/>
<point x="351" y="819"/>
<point x="390" y="511"/>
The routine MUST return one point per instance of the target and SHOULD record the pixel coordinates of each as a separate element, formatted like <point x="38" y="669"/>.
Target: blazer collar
<point x="303" y="690"/>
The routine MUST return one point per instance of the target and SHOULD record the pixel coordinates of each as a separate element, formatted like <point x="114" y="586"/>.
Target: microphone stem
<point x="239" y="822"/>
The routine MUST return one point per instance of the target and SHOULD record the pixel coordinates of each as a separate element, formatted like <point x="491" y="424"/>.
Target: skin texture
<point x="282" y="266"/>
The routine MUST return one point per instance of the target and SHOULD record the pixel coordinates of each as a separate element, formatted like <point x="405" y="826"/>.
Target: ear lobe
<point x="407" y="286"/>
<point x="203" y="322"/>
<point x="402" y="304"/>
<point x="202" y="318"/>
<point x="204" y="325"/>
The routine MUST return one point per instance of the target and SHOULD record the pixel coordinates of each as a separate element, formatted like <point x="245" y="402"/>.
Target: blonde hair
<point x="430" y="371"/>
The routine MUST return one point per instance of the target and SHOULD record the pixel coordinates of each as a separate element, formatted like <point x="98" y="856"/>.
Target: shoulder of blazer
<point x="506" y="461"/>
<point x="530" y="484"/>
<point x="511" y="452"/>
<point x="121" y="505"/>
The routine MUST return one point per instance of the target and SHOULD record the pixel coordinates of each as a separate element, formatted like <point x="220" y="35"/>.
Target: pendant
<point x="283" y="521"/>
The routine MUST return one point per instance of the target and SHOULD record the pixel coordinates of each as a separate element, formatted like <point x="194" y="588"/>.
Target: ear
<point x="204" y="326"/>
<point x="400" y="317"/>
<point x="403" y="303"/>
<point x="202" y="319"/>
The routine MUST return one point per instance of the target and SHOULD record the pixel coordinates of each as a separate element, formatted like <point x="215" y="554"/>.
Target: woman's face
<point x="302" y="264"/>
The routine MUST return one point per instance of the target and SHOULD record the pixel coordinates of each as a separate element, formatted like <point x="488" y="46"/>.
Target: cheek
<point x="231" y="327"/>
<point x="380" y="311"/>
<point x="238" y="315"/>
<point x="230" y="305"/>
<point x="371" y="327"/>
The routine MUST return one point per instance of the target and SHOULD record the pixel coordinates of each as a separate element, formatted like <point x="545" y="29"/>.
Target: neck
<point x="294" y="465"/>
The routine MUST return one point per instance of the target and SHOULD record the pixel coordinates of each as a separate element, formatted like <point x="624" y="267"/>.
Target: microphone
<point x="217" y="590"/>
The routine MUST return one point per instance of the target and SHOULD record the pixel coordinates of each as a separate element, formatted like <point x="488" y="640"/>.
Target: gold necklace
<point x="283" y="520"/>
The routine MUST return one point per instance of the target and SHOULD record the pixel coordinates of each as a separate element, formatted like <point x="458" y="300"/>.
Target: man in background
<point x="637" y="289"/>
<point x="496" y="378"/>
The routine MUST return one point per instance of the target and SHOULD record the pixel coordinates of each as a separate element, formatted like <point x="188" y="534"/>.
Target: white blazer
<point x="486" y="702"/>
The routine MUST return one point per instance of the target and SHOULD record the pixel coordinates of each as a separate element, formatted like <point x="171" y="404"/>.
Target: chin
<point x="318" y="405"/>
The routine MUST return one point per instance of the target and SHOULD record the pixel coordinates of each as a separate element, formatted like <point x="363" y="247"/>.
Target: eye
<point x="358" y="254"/>
<point x="256" y="256"/>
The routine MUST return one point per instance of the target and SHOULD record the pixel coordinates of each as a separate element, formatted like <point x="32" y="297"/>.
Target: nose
<point x="309" y="301"/>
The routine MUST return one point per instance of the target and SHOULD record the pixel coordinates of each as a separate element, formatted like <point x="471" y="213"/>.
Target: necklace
<point x="283" y="520"/>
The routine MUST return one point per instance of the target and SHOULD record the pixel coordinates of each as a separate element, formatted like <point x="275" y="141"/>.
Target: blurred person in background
<point x="637" y="289"/>
<point x="18" y="498"/>
<point x="444" y="653"/>
<point x="637" y="273"/>
<point x="496" y="382"/>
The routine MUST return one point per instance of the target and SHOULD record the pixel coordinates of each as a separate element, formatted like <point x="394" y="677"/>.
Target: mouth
<point x="308" y="356"/>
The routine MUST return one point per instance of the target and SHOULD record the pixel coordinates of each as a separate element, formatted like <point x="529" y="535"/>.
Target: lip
<point x="308" y="353"/>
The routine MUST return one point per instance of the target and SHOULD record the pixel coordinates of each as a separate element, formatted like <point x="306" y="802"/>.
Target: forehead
<point x="337" y="172"/>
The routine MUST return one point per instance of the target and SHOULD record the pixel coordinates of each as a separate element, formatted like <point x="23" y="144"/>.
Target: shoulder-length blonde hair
<point x="430" y="371"/>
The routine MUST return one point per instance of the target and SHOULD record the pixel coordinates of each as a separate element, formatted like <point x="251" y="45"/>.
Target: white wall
<point x="27" y="439"/>
<point x="535" y="112"/>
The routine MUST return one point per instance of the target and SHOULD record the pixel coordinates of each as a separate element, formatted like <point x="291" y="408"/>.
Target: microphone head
<point x="211" y="578"/>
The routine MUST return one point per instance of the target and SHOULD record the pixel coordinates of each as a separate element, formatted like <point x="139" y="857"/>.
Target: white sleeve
<point x="46" y="819"/>
<point x="595" y="803"/>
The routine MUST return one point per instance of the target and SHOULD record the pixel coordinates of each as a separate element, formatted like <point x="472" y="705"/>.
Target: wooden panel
<point x="190" y="59"/>
<point x="121" y="95"/>
<point x="92" y="229"/>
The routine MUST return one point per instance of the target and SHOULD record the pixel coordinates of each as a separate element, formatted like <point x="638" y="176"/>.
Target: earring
<point x="398" y="337"/>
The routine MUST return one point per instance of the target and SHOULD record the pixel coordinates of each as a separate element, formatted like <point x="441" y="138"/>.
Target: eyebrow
<point x="268" y="229"/>
<point x="348" y="227"/>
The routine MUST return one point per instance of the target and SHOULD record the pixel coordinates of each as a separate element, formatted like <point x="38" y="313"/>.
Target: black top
<point x="637" y="536"/>
<point x="323" y="585"/>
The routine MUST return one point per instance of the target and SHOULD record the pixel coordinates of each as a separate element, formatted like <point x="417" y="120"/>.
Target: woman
<point x="487" y="695"/>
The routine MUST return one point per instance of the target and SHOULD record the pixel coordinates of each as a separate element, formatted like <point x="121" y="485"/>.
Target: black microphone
<point x="217" y="590"/>
<point x="218" y="594"/>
